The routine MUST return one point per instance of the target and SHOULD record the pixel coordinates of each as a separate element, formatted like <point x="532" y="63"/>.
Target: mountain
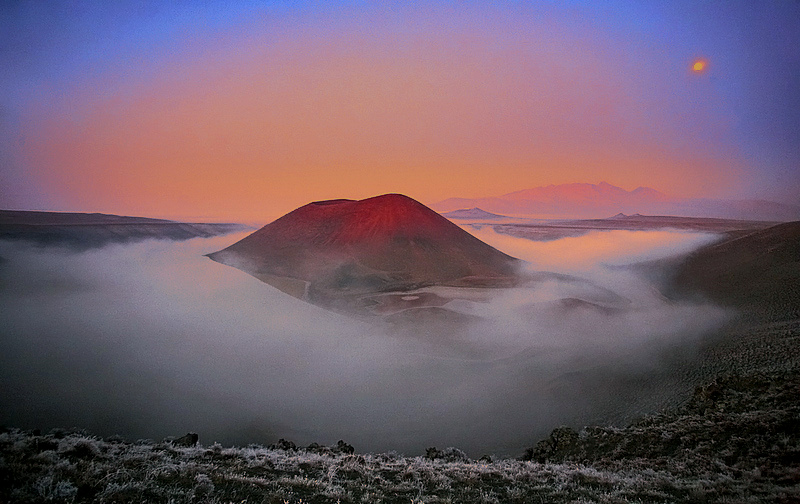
<point x="473" y="214"/>
<point x="598" y="200"/>
<point x="90" y="230"/>
<point x="758" y="272"/>
<point x="338" y="251"/>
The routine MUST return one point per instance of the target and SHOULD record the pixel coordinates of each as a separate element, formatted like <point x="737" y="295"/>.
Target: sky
<point x="247" y="110"/>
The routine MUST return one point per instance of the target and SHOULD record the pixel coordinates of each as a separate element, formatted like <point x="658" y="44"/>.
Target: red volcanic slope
<point x="388" y="242"/>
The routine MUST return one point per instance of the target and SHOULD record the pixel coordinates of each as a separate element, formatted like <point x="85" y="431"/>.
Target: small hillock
<point x="744" y="427"/>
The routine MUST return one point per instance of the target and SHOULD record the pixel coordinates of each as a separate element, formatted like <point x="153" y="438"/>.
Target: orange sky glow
<point x="265" y="118"/>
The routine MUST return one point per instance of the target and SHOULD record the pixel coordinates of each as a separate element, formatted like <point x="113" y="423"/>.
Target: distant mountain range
<point x="603" y="200"/>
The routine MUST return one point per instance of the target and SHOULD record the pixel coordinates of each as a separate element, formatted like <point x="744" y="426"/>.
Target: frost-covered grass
<point x="81" y="468"/>
<point x="735" y="441"/>
<point x="743" y="429"/>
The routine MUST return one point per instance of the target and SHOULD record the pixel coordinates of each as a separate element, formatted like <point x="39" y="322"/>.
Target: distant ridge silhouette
<point x="472" y="213"/>
<point x="591" y="201"/>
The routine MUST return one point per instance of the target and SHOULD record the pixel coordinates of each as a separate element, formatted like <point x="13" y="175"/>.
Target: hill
<point x="90" y="230"/>
<point x="334" y="252"/>
<point x="758" y="272"/>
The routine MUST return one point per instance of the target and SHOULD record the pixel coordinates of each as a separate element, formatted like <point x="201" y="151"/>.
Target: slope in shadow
<point x="758" y="273"/>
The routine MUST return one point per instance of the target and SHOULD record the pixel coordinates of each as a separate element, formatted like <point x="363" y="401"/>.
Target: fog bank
<point x="153" y="339"/>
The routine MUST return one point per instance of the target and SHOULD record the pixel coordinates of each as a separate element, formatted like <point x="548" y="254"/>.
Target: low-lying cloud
<point x="153" y="339"/>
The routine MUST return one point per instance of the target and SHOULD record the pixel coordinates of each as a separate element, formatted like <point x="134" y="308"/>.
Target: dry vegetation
<point x="736" y="440"/>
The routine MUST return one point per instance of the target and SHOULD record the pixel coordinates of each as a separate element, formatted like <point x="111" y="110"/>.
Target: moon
<point x="699" y="66"/>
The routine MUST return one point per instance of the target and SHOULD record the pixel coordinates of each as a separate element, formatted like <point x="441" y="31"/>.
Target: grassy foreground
<point x="736" y="440"/>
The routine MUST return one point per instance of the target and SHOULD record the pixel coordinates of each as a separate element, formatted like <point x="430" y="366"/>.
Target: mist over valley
<point x="152" y="338"/>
